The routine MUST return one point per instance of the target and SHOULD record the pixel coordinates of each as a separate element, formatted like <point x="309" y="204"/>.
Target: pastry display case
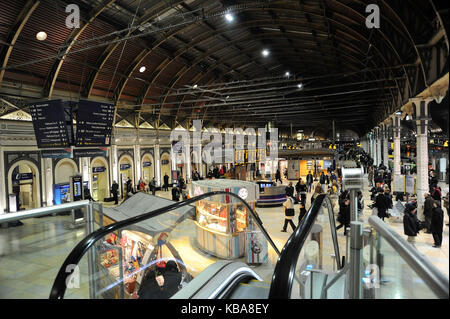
<point x="222" y="220"/>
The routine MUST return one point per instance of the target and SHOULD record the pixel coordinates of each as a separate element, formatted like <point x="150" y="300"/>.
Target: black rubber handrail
<point x="59" y="285"/>
<point x="283" y="275"/>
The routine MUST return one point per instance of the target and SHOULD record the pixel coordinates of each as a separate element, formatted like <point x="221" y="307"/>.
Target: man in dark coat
<point x="381" y="204"/>
<point x="410" y="222"/>
<point x="309" y="181"/>
<point x="115" y="191"/>
<point x="437" y="224"/>
<point x="166" y="182"/>
<point x="278" y="176"/>
<point x="428" y="211"/>
<point x="175" y="194"/>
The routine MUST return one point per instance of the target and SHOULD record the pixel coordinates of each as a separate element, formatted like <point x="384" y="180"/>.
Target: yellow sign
<point x="446" y="143"/>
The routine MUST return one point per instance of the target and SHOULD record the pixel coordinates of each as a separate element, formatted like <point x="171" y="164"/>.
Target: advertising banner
<point x="90" y="152"/>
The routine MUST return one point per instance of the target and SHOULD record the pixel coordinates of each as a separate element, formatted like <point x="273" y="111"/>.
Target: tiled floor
<point x="30" y="255"/>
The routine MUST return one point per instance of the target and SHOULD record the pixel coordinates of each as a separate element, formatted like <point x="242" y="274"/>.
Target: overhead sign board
<point x="49" y="124"/>
<point x="94" y="123"/>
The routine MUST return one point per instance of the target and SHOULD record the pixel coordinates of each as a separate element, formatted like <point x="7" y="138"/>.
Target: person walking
<point x="317" y="191"/>
<point x="153" y="186"/>
<point x="278" y="176"/>
<point x="370" y="176"/>
<point x="175" y="194"/>
<point x="114" y="192"/>
<point x="301" y="191"/>
<point x="322" y="182"/>
<point x="289" y="213"/>
<point x="381" y="203"/>
<point x="410" y="222"/>
<point x="302" y="212"/>
<point x="309" y="181"/>
<point x="166" y="182"/>
<point x="437" y="224"/>
<point x="289" y="190"/>
<point x="345" y="215"/>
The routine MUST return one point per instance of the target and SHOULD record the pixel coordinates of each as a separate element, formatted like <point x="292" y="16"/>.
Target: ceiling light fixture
<point x="142" y="69"/>
<point x="229" y="17"/>
<point x="265" y="52"/>
<point x="300" y="85"/>
<point x="41" y="36"/>
<point x="195" y="86"/>
<point x="287" y="73"/>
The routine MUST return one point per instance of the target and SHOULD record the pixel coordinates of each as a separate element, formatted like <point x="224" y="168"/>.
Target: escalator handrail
<point x="283" y="275"/>
<point x="434" y="279"/>
<point x="59" y="285"/>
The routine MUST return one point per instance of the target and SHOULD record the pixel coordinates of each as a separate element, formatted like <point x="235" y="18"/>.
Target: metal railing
<point x="434" y="279"/>
<point x="43" y="211"/>
<point x="59" y="285"/>
<point x="284" y="274"/>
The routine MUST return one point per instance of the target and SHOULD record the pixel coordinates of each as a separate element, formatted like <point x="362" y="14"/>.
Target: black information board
<point x="49" y="124"/>
<point x="94" y="123"/>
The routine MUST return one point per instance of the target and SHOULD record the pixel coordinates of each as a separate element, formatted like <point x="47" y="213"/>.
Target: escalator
<point x="308" y="267"/>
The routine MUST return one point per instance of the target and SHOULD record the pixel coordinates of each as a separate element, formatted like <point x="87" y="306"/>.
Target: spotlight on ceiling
<point x="195" y="86"/>
<point x="287" y="73"/>
<point x="229" y="17"/>
<point x="142" y="69"/>
<point x="300" y="85"/>
<point x="41" y="36"/>
<point x="265" y="52"/>
<point x="398" y="113"/>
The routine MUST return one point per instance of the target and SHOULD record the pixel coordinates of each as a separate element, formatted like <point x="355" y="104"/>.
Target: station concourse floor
<point x="30" y="256"/>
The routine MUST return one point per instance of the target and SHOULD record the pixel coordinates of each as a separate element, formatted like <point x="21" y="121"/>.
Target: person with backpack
<point x="411" y="224"/>
<point x="289" y="213"/>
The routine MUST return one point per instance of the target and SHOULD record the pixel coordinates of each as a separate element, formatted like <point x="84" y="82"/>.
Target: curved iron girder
<point x="215" y="33"/>
<point x="110" y="50"/>
<point x="68" y="44"/>
<point x="15" y="31"/>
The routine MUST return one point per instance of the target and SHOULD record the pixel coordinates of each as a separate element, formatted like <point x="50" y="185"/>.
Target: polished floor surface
<point x="30" y="255"/>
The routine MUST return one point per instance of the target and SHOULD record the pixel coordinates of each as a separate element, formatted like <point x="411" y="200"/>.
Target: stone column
<point x="421" y="116"/>
<point x="3" y="191"/>
<point x="385" y="137"/>
<point x="397" y="140"/>
<point x="137" y="163"/>
<point x="114" y="170"/>
<point x="48" y="181"/>
<point x="158" y="163"/>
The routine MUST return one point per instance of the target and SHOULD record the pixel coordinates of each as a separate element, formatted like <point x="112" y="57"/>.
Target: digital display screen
<point x="94" y="123"/>
<point x="77" y="188"/>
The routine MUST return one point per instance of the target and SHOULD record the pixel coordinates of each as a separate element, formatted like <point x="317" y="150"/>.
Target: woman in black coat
<point x="437" y="224"/>
<point x="410" y="222"/>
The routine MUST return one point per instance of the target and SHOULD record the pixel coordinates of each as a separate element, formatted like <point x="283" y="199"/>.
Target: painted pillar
<point x="47" y="181"/>
<point x="137" y="163"/>
<point x="397" y="140"/>
<point x="385" y="137"/>
<point x="378" y="143"/>
<point x="3" y="190"/>
<point x="158" y="163"/>
<point x="421" y="116"/>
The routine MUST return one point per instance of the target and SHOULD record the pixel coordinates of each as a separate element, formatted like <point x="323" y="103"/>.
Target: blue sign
<point x="90" y="152"/>
<point x="146" y="164"/>
<point x="99" y="169"/>
<point x="164" y="162"/>
<point x="64" y="153"/>
<point x="124" y="166"/>
<point x="22" y="176"/>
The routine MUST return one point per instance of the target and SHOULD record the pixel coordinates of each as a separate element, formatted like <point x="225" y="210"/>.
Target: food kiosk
<point x="270" y="195"/>
<point x="222" y="220"/>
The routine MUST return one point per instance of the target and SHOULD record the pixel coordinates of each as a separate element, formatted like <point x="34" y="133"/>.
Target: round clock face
<point x="243" y="193"/>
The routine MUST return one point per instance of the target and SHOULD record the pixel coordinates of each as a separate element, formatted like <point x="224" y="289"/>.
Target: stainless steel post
<point x="356" y="230"/>
<point x="89" y="217"/>
<point x="353" y="205"/>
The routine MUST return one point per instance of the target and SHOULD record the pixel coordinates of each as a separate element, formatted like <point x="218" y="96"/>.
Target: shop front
<point x="126" y="170"/>
<point x="99" y="179"/>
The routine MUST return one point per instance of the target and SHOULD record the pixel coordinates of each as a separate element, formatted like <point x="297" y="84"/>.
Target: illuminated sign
<point x="243" y="193"/>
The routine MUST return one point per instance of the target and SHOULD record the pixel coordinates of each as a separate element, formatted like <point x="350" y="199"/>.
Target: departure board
<point x="94" y="123"/>
<point x="239" y="157"/>
<point x="49" y="124"/>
